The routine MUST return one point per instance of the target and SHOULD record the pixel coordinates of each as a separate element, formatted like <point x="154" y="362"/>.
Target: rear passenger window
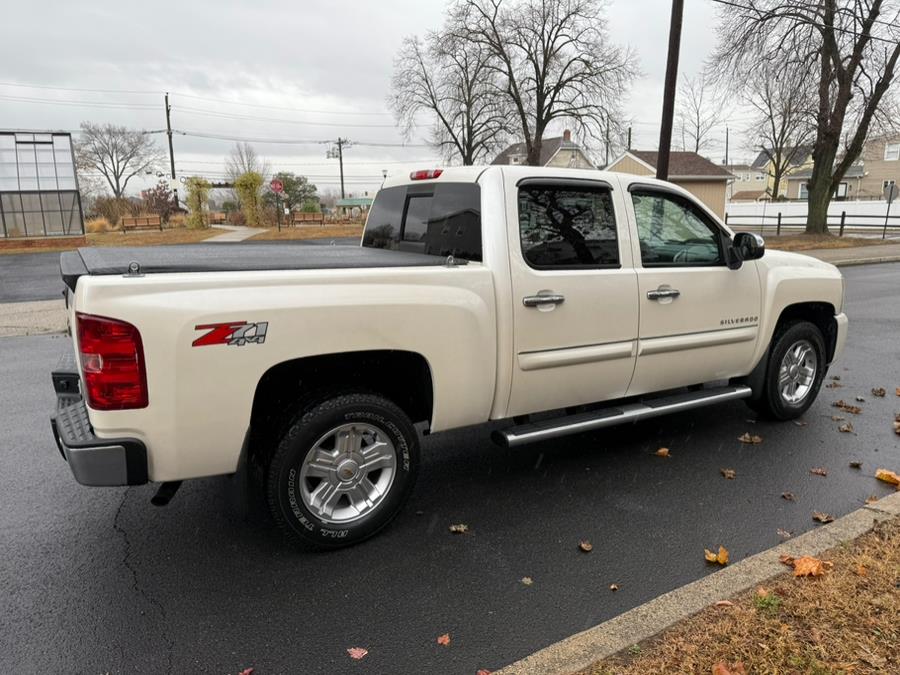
<point x="438" y="219"/>
<point x="567" y="226"/>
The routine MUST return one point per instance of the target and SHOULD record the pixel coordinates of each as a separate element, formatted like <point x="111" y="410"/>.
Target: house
<point x="881" y="159"/>
<point x="799" y="158"/>
<point x="746" y="180"/>
<point x="560" y="151"/>
<point x="796" y="183"/>
<point x="707" y="181"/>
<point x="749" y="196"/>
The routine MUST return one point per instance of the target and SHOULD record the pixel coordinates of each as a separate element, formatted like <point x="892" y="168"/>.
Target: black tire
<point x="284" y="481"/>
<point x="771" y="403"/>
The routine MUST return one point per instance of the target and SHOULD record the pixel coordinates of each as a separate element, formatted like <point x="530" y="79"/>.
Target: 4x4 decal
<point x="234" y="333"/>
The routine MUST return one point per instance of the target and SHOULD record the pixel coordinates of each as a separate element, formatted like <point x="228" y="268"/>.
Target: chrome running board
<point x="614" y="415"/>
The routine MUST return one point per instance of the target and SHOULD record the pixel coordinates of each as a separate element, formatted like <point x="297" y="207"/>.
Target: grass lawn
<point x="139" y="238"/>
<point x="808" y="242"/>
<point x="847" y="621"/>
<point x="314" y="232"/>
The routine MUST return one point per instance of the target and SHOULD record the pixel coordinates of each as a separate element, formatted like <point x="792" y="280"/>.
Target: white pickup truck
<point x="476" y="294"/>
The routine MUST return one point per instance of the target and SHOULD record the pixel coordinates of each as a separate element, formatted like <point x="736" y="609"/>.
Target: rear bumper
<point x="841" y="324"/>
<point x="93" y="461"/>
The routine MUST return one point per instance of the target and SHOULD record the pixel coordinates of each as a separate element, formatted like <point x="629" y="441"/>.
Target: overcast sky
<point x="332" y="60"/>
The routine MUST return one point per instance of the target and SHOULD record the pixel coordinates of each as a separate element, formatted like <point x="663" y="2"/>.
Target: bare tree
<point x="244" y="159"/>
<point x="116" y="153"/>
<point x="452" y="82"/>
<point x="783" y="125"/>
<point x="554" y="61"/>
<point x="698" y="112"/>
<point x="852" y="46"/>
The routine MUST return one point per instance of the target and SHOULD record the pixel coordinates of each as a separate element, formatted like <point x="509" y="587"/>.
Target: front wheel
<point x="342" y="470"/>
<point x="795" y="371"/>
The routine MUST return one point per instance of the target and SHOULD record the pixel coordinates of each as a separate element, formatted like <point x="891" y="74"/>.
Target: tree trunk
<point x="819" y="199"/>
<point x="534" y="154"/>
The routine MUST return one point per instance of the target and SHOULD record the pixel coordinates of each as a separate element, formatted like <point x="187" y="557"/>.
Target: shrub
<point x="249" y="189"/>
<point x="97" y="225"/>
<point x="236" y="218"/>
<point x="177" y="220"/>
<point x="112" y="209"/>
<point x="197" y="200"/>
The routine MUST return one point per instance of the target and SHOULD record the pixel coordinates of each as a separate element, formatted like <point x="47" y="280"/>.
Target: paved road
<point x="35" y="276"/>
<point x="97" y="580"/>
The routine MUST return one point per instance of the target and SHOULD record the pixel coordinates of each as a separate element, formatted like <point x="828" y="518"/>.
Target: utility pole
<point x="629" y="138"/>
<point x="607" y="141"/>
<point x="171" y="151"/>
<point x="338" y="152"/>
<point x="726" y="147"/>
<point x="668" y="111"/>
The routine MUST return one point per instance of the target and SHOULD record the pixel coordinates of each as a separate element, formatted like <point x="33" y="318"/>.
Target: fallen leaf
<point x="897" y="391"/>
<point x="823" y="517"/>
<point x="527" y="581"/>
<point x="871" y="499"/>
<point x="357" y="652"/>
<point x="837" y="418"/>
<point x="833" y="385"/>
<point x="459" y="528"/>
<point x="855" y="465"/>
<point x="786" y="560"/>
<point x="724" y="603"/>
<point x="861" y="571"/>
<point x="762" y="592"/>
<point x="721" y="557"/>
<point x="846" y="407"/>
<point x="807" y="566"/>
<point x="444" y="639"/>
<point x="483" y="671"/>
<point x="836" y="378"/>
<point x="819" y="471"/>
<point x="800" y="423"/>
<point x="879" y="392"/>
<point x="846" y="427"/>
<point x="722" y="668"/>
<point x="887" y="476"/>
<point x="246" y="671"/>
<point x="750" y="439"/>
<point x="784" y="534"/>
<point x="728" y="473"/>
<point x="614" y="587"/>
<point x="662" y="452"/>
<point x="788" y="496"/>
<point x="585" y="546"/>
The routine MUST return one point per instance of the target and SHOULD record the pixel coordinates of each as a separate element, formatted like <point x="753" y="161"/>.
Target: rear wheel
<point x="794" y="373"/>
<point x="342" y="470"/>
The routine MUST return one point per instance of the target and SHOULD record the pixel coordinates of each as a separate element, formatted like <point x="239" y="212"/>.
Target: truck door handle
<point x="548" y="299"/>
<point x="660" y="293"/>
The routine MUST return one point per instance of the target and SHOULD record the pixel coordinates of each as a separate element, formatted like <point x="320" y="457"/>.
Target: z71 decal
<point x="234" y="333"/>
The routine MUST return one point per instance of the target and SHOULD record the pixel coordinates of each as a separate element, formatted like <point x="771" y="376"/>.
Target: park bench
<point x="307" y="218"/>
<point x="140" y="223"/>
<point x="217" y="217"/>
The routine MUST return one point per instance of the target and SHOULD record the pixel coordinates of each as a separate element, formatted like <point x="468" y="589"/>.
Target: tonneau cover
<point x="232" y="258"/>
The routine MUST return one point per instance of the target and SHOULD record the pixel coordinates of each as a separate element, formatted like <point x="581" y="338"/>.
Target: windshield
<point x="439" y="219"/>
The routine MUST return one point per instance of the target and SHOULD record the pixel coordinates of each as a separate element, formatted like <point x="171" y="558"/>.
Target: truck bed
<point x="231" y="258"/>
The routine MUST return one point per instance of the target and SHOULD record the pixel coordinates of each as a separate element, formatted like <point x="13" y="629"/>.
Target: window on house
<point x="803" y="191"/>
<point x="891" y="151"/>
<point x="760" y="176"/>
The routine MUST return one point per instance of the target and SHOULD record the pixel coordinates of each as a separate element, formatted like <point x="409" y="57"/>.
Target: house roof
<point x="748" y="195"/>
<point x="549" y="147"/>
<point x="682" y="164"/>
<point x="797" y="155"/>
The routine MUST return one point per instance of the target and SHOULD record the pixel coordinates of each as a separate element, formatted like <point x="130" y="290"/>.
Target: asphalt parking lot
<point x="98" y="580"/>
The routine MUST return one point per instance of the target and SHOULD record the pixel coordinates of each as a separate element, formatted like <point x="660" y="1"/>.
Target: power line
<point x="96" y="91"/>
<point x="277" y="107"/>
<point x="236" y="116"/>
<point x="82" y="104"/>
<point x="284" y="141"/>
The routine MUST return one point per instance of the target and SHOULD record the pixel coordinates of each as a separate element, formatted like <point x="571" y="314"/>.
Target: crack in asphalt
<point x="138" y="589"/>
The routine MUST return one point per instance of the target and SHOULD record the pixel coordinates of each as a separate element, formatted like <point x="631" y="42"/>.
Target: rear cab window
<point x="440" y="219"/>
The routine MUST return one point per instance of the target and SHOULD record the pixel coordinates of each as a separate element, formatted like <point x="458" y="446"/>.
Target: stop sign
<point x="276" y="185"/>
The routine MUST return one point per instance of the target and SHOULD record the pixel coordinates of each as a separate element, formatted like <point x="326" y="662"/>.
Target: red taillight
<point x="112" y="360"/>
<point x="426" y="174"/>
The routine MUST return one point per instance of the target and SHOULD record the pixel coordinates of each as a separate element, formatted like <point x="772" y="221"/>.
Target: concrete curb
<point x="850" y="262"/>
<point x="582" y="649"/>
<point x="32" y="318"/>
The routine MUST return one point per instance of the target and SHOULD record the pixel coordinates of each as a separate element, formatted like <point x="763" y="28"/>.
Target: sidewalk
<point x="233" y="233"/>
<point x="860" y="255"/>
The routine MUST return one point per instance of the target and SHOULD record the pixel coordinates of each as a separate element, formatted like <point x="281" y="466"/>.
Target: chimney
<point x="567" y="136"/>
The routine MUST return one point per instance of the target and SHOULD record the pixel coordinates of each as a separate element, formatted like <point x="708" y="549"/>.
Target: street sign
<point x="277" y="186"/>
